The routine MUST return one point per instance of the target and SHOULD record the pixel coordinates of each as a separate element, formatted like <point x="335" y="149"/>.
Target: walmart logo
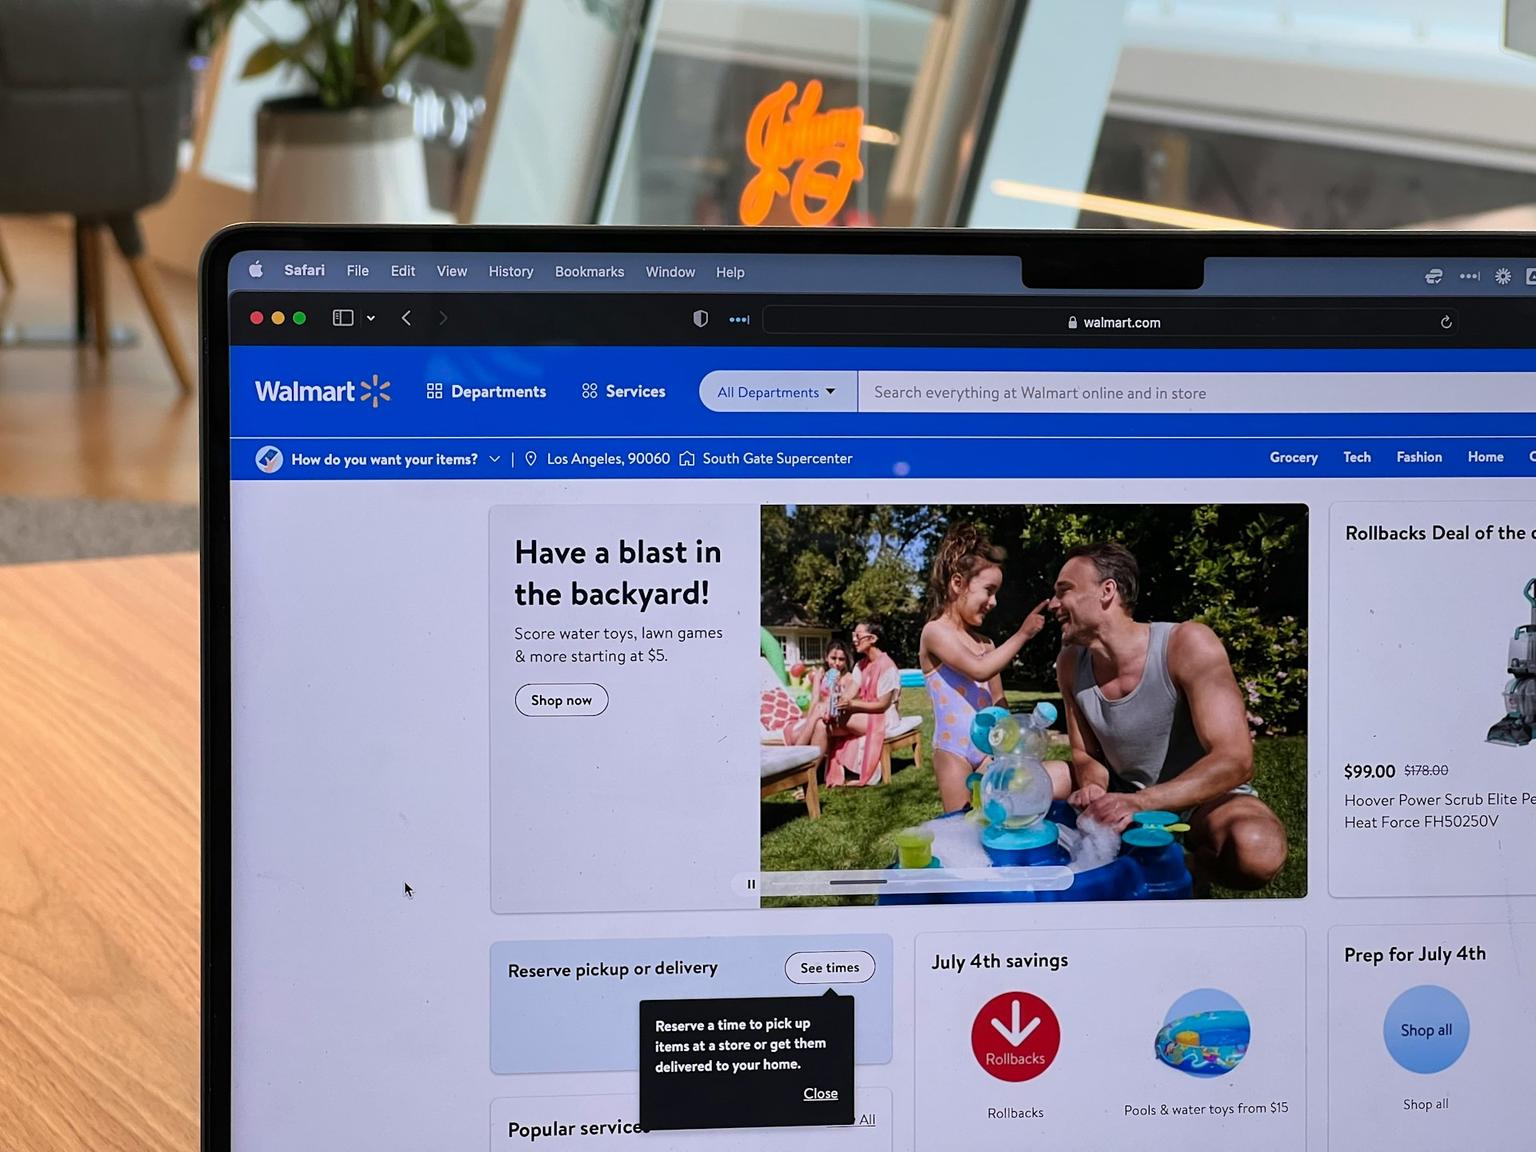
<point x="375" y="391"/>
<point x="370" y="391"/>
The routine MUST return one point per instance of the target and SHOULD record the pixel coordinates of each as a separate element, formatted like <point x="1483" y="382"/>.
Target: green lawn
<point x="857" y="824"/>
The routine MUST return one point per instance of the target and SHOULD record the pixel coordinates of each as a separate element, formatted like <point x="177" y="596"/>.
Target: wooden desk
<point x="99" y="856"/>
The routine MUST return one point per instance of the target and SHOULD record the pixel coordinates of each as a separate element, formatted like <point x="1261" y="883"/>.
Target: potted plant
<point x="345" y="150"/>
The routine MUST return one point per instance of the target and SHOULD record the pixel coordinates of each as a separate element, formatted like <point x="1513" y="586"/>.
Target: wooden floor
<point x="72" y="425"/>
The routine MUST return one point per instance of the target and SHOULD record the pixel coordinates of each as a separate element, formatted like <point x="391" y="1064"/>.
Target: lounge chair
<point x="906" y="734"/>
<point x="787" y="766"/>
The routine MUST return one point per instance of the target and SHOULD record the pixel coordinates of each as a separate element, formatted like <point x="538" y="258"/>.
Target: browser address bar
<point x="1090" y="320"/>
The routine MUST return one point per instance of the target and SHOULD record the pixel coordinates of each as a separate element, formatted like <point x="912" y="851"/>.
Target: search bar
<point x="1090" y="321"/>
<point x="1191" y="392"/>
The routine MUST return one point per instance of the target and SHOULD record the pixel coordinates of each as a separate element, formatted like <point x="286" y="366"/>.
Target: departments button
<point x="789" y="390"/>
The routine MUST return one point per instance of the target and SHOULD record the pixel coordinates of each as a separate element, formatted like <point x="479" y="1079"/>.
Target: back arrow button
<point x="407" y="318"/>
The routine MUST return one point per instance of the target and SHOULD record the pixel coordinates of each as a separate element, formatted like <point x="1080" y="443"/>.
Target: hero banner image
<point x="669" y="718"/>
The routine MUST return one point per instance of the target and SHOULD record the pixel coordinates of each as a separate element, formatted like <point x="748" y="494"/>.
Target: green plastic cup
<point x="914" y="848"/>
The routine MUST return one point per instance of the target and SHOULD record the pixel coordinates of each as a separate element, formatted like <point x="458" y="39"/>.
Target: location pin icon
<point x="531" y="457"/>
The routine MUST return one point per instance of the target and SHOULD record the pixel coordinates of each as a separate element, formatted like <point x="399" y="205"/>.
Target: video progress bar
<point x="904" y="881"/>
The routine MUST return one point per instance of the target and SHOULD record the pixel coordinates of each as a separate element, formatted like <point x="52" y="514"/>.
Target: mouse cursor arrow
<point x="410" y="893"/>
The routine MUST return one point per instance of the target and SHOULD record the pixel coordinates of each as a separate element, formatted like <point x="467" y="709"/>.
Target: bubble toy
<point x="1022" y="826"/>
<point x="1204" y="1043"/>
<point x="1014" y="791"/>
<point x="1150" y="842"/>
<point x="1015" y="796"/>
<point x="973" y="786"/>
<point x="998" y="733"/>
<point x="1153" y="829"/>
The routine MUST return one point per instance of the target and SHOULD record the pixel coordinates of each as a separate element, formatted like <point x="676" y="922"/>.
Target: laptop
<point x="865" y="691"/>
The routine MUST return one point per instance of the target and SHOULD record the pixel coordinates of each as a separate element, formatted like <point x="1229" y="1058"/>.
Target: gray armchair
<point x="91" y="94"/>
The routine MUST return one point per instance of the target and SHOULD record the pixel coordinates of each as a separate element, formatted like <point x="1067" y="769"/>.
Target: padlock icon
<point x="1072" y="322"/>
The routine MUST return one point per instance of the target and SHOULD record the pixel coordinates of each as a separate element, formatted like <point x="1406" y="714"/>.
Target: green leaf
<point x="343" y="66"/>
<point x="440" y="34"/>
<point x="452" y="44"/>
<point x="400" y="17"/>
<point x="268" y="57"/>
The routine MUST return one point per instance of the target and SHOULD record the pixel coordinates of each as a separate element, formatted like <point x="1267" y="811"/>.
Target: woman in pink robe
<point x="865" y="712"/>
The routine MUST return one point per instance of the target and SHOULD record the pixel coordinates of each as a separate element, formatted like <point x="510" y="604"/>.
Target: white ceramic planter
<point x="358" y="166"/>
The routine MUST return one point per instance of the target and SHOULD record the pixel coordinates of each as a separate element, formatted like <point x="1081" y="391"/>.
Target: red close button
<point x="1016" y="1036"/>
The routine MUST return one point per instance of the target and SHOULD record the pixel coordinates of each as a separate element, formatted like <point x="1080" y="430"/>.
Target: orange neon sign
<point x="780" y="135"/>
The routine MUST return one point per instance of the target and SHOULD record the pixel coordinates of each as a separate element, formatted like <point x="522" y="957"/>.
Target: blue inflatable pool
<point x="1205" y="1043"/>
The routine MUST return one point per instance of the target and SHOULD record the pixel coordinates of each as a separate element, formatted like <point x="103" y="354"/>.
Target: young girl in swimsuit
<point x="962" y="667"/>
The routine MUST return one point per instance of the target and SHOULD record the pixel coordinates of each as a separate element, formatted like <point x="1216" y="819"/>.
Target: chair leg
<point x="7" y="271"/>
<point x="885" y="765"/>
<point x="812" y="794"/>
<point x="94" y="257"/>
<point x="130" y="241"/>
<point x="82" y="308"/>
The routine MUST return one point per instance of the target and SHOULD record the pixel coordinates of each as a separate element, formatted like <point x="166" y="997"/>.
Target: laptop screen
<point x="866" y="701"/>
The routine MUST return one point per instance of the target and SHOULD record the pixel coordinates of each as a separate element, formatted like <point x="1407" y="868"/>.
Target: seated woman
<point x="866" y="711"/>
<point x="813" y="727"/>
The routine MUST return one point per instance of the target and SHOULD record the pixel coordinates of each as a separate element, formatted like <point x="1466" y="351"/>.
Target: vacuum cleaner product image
<point x="1519" y="722"/>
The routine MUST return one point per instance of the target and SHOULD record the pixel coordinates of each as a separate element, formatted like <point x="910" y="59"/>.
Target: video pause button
<point x="746" y="884"/>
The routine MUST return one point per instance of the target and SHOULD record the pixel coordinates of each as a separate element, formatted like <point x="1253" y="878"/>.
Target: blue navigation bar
<point x="563" y="413"/>
<point x="760" y="457"/>
<point x="393" y="392"/>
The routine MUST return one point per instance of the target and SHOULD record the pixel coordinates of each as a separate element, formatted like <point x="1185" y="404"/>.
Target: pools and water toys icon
<point x="1518" y="725"/>
<point x="1206" y="1033"/>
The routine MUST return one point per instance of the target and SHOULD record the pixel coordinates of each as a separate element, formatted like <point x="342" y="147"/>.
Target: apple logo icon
<point x="255" y="270"/>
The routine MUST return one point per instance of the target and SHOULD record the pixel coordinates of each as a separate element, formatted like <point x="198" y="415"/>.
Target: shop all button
<point x="562" y="699"/>
<point x="829" y="967"/>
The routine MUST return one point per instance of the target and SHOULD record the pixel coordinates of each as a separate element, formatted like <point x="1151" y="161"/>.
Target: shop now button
<point x="830" y="967"/>
<point x="562" y="699"/>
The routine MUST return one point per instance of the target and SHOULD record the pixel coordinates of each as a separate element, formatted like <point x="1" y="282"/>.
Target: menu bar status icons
<point x="1500" y="275"/>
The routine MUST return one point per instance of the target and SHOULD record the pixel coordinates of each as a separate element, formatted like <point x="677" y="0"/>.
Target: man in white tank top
<point x="1156" y="721"/>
